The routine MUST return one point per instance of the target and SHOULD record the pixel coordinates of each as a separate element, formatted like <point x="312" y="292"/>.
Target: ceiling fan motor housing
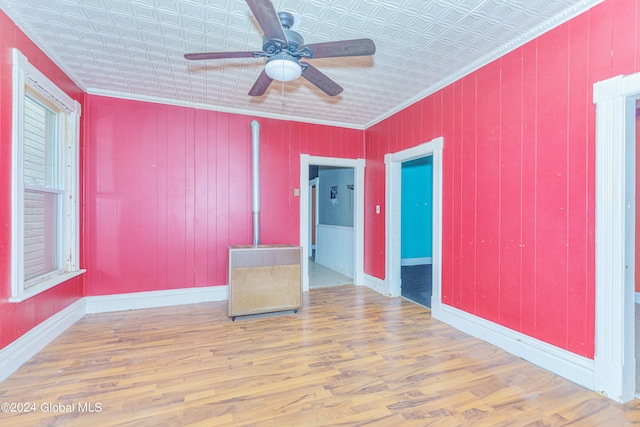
<point x="293" y="39"/>
<point x="274" y="46"/>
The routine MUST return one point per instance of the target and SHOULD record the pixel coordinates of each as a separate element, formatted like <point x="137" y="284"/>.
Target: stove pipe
<point x="255" y="173"/>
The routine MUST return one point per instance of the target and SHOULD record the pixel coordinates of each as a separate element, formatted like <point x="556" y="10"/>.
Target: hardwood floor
<point x="349" y="357"/>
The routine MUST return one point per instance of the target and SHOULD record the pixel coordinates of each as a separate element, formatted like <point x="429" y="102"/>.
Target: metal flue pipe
<point x="255" y="174"/>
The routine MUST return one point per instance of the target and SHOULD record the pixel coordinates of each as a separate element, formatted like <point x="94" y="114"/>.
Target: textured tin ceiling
<point x="134" y="49"/>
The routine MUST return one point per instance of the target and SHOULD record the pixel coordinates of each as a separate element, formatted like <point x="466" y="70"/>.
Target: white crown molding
<point x="576" y="9"/>
<point x="202" y="106"/>
<point x="26" y="28"/>
<point x="560" y="18"/>
<point x="517" y="42"/>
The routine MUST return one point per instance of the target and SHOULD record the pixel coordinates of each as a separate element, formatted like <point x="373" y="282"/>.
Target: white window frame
<point x="27" y="77"/>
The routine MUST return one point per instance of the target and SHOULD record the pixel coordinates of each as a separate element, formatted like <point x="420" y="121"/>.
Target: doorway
<point x="393" y="210"/>
<point x="313" y="209"/>
<point x="636" y="327"/>
<point x="416" y="229"/>
<point x="356" y="261"/>
<point x="614" y="366"/>
<point x="331" y="231"/>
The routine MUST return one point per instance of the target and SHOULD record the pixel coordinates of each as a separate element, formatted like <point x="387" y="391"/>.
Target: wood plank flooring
<point x="350" y="357"/>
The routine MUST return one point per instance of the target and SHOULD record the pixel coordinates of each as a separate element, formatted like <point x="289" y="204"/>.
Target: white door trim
<point x="614" y="359"/>
<point x="312" y="183"/>
<point x="358" y="222"/>
<point x="393" y="162"/>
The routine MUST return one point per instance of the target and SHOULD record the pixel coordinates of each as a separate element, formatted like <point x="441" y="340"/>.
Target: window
<point x="45" y="225"/>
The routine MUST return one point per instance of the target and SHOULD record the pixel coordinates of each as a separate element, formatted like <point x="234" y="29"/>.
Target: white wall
<point x="334" y="248"/>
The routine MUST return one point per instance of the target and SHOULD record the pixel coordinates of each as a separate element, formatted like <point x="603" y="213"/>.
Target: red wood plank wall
<point x="168" y="188"/>
<point x="519" y="177"/>
<point x="16" y="319"/>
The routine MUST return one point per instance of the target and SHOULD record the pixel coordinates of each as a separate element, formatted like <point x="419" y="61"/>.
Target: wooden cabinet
<point x="264" y="279"/>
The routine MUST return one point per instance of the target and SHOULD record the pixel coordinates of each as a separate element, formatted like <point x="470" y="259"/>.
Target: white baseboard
<point x="152" y="299"/>
<point x="28" y="345"/>
<point x="416" y="261"/>
<point x="374" y="283"/>
<point x="562" y="362"/>
<point x="24" y="348"/>
<point x="637" y="297"/>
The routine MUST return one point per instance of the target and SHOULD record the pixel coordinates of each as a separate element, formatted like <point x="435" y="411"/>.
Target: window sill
<point x="46" y="285"/>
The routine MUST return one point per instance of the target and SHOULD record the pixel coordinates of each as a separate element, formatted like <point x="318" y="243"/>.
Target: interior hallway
<point x="322" y="277"/>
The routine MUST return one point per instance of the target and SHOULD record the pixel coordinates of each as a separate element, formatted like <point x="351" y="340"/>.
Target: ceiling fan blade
<point x="321" y="80"/>
<point x="357" y="47"/>
<point x="268" y="19"/>
<point x="261" y="84"/>
<point x="218" y="55"/>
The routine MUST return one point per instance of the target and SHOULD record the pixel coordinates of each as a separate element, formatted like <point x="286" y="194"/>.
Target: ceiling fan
<point x="284" y="49"/>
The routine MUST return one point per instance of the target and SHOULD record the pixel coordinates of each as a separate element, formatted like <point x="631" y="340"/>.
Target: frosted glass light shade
<point x="283" y="67"/>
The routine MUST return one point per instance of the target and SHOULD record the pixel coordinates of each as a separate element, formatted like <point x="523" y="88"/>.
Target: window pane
<point x="39" y="154"/>
<point x="40" y="233"/>
<point x="46" y="121"/>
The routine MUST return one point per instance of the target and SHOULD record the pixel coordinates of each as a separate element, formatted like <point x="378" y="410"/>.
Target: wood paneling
<point x="169" y="188"/>
<point x="18" y="318"/>
<point x="579" y="190"/>
<point x="510" y="208"/>
<point x="374" y="241"/>
<point x="488" y="198"/>
<point x="519" y="176"/>
<point x="551" y="186"/>
<point x="350" y="356"/>
<point x="468" y="196"/>
<point x="334" y="248"/>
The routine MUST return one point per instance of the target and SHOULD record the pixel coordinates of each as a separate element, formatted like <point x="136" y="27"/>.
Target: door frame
<point x="614" y="358"/>
<point x="393" y="205"/>
<point x="358" y="165"/>
<point x="312" y="225"/>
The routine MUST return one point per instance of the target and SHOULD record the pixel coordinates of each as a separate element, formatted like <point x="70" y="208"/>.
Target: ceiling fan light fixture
<point x="283" y="67"/>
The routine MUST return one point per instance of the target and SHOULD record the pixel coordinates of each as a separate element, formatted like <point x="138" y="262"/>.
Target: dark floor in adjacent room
<point x="416" y="283"/>
<point x="637" y="333"/>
